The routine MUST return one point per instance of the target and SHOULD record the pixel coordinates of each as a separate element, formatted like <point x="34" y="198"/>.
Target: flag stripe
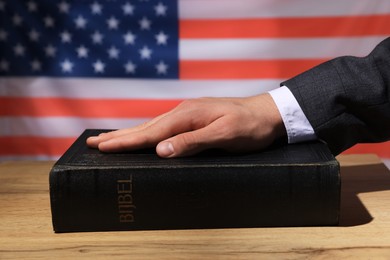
<point x="96" y="88"/>
<point x="381" y="149"/>
<point x="222" y="9"/>
<point x="286" y="27"/>
<point x="61" y="126"/>
<point x="96" y="108"/>
<point x="269" y="48"/>
<point x="33" y="145"/>
<point x="246" y="69"/>
<point x="29" y="157"/>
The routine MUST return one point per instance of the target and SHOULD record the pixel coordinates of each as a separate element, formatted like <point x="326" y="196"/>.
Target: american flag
<point x="69" y="65"/>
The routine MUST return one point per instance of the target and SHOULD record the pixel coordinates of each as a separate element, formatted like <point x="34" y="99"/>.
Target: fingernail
<point x="165" y="149"/>
<point x="93" y="138"/>
<point x="92" y="141"/>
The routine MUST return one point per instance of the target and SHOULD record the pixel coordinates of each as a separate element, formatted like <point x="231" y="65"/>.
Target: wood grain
<point x="364" y="231"/>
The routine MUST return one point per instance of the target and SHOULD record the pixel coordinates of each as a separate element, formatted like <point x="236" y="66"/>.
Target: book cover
<point x="290" y="185"/>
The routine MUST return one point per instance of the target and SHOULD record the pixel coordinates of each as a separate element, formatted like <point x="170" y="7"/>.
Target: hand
<point x="233" y="124"/>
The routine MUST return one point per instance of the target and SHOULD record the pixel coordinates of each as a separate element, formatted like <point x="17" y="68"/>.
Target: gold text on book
<point x="126" y="205"/>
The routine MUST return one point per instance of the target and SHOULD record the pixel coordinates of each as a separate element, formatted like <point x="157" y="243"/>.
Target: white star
<point x="49" y="21"/>
<point x="36" y="65"/>
<point x="112" y="23"/>
<point x="34" y="35"/>
<point x="4" y="65"/>
<point x="80" y="22"/>
<point x="19" y="50"/>
<point x="145" y="53"/>
<point x="128" y="9"/>
<point x="161" y="38"/>
<point x="161" y="68"/>
<point x="113" y="52"/>
<point x="3" y="35"/>
<point x="32" y="6"/>
<point x="67" y="66"/>
<point x="50" y="51"/>
<point x="82" y="52"/>
<point x="96" y="8"/>
<point x="64" y="7"/>
<point x="17" y="20"/>
<point x="97" y="37"/>
<point x="130" y="67"/>
<point x="145" y="24"/>
<point x="129" y="38"/>
<point x="66" y="37"/>
<point x="99" y="66"/>
<point x="160" y="9"/>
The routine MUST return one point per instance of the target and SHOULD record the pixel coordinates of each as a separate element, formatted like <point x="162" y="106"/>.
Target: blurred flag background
<point x="70" y="65"/>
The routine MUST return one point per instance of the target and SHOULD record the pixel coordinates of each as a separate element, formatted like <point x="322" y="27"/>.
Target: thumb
<point x="165" y="149"/>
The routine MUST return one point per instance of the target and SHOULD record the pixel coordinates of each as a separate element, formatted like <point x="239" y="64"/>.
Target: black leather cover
<point x="290" y="185"/>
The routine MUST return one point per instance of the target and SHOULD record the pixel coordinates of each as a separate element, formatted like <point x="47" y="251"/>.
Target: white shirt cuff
<point x="297" y="126"/>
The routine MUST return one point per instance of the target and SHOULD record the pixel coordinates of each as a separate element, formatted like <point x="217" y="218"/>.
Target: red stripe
<point x="34" y="146"/>
<point x="286" y="27"/>
<point x="381" y="149"/>
<point x="248" y="69"/>
<point x="91" y="108"/>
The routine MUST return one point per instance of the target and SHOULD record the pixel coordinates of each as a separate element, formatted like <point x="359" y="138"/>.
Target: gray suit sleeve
<point x="347" y="99"/>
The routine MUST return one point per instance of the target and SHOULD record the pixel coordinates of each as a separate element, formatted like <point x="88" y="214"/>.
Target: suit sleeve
<point x="347" y="99"/>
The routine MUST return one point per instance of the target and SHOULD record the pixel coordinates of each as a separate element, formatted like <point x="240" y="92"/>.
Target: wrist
<point x="270" y="117"/>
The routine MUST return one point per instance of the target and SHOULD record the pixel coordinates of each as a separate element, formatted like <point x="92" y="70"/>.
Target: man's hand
<point x="233" y="124"/>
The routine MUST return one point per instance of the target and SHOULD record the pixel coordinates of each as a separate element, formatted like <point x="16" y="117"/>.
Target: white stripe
<point x="254" y="49"/>
<point x="217" y="9"/>
<point x="59" y="126"/>
<point x="92" y="88"/>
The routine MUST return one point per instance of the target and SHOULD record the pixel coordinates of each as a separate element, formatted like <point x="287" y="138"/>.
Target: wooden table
<point x="26" y="231"/>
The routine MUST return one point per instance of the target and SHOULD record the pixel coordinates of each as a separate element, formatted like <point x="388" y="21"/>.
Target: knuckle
<point x="194" y="103"/>
<point x="186" y="103"/>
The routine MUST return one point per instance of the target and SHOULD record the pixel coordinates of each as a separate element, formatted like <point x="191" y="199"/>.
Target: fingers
<point x="143" y="136"/>
<point x="95" y="141"/>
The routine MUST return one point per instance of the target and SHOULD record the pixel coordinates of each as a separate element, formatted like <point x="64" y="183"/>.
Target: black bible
<point x="289" y="185"/>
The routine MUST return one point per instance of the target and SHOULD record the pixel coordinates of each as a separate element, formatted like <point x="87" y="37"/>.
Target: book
<point x="283" y="186"/>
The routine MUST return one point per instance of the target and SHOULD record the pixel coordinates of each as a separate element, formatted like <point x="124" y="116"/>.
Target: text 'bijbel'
<point x="126" y="205"/>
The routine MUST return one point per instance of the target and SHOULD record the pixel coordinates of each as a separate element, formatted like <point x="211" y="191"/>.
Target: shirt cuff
<point x="297" y="126"/>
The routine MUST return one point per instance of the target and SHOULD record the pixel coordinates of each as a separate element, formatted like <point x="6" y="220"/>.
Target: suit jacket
<point x="347" y="99"/>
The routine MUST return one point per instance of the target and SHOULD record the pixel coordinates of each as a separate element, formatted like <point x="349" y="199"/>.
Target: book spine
<point x="195" y="197"/>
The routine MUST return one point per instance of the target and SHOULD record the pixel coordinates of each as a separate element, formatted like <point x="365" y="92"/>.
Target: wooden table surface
<point x="364" y="231"/>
